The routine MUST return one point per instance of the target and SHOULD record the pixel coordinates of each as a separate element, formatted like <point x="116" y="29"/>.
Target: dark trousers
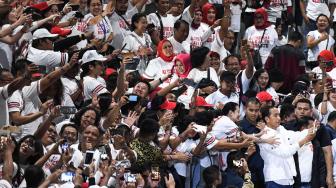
<point x="272" y="184"/>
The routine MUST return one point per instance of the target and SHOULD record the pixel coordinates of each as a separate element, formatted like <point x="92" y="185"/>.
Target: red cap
<point x="167" y="105"/>
<point x="327" y="56"/>
<point x="264" y="96"/>
<point x="200" y="102"/>
<point x="108" y="72"/>
<point x="60" y="31"/>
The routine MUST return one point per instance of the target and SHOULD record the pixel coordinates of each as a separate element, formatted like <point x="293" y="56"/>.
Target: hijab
<point x="160" y="53"/>
<point x="263" y="12"/>
<point x="205" y="9"/>
<point x="185" y="60"/>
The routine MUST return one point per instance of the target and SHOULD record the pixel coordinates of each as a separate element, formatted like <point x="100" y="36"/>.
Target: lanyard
<point x="102" y="26"/>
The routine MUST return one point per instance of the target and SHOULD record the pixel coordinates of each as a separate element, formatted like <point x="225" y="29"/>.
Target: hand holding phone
<point x="88" y="158"/>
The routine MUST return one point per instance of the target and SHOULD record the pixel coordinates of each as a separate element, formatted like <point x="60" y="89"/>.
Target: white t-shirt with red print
<point x="120" y="27"/>
<point x="101" y="30"/>
<point x="167" y="22"/>
<point x="276" y="7"/>
<point x="269" y="40"/>
<point x="317" y="7"/>
<point x="158" y="68"/>
<point x="197" y="37"/>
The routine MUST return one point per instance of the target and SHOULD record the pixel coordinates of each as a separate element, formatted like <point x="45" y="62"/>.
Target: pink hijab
<point x="185" y="59"/>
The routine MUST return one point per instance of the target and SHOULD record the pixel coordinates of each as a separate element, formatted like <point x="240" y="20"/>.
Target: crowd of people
<point x="167" y="93"/>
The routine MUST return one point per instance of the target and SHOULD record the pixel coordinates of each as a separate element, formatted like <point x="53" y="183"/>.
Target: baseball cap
<point x="264" y="96"/>
<point x="92" y="55"/>
<point x="329" y="57"/>
<point x="43" y="33"/>
<point x="200" y="102"/>
<point x="167" y="105"/>
<point x="60" y="31"/>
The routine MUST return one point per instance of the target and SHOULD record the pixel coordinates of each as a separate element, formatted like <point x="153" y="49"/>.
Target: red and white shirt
<point x="167" y="22"/>
<point x="158" y="68"/>
<point x="93" y="86"/>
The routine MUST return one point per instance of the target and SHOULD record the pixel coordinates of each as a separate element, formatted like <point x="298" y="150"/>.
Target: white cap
<point x="43" y="33"/>
<point x="92" y="55"/>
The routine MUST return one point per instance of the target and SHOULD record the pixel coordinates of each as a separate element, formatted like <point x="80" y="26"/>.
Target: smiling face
<point x="332" y="96"/>
<point x="91" y="135"/>
<point x="211" y="15"/>
<point x="27" y="147"/>
<point x="96" y="7"/>
<point x="141" y="89"/>
<point x="179" y="67"/>
<point x="88" y="118"/>
<point x="273" y="120"/>
<point x="141" y="24"/>
<point x="167" y="49"/>
<point x="50" y="136"/>
<point x="322" y="23"/>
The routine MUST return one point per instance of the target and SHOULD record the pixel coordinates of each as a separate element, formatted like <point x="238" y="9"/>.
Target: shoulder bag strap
<point x="327" y="42"/>
<point x="262" y="37"/>
<point x="161" y="25"/>
<point x="128" y="24"/>
<point x="208" y="74"/>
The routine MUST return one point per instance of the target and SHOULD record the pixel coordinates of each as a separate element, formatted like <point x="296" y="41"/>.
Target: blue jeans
<point x="272" y="184"/>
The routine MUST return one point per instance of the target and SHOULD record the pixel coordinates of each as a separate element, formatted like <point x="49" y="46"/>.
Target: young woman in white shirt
<point x="319" y="40"/>
<point x="92" y="69"/>
<point x="139" y="41"/>
<point x="200" y="61"/>
<point x="97" y="22"/>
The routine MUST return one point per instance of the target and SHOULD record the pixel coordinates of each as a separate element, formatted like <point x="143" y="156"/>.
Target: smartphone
<point x="238" y="163"/>
<point x="78" y="15"/>
<point x="123" y="163"/>
<point x="155" y="175"/>
<point x="67" y="176"/>
<point x="129" y="178"/>
<point x="133" y="98"/>
<point x="68" y="109"/>
<point x="189" y="82"/>
<point x="64" y="146"/>
<point x="88" y="158"/>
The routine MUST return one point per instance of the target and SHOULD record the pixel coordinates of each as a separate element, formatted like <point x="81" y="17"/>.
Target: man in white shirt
<point x="41" y="51"/>
<point x="181" y="32"/>
<point x="279" y="166"/>
<point x="226" y="92"/>
<point x="120" y="20"/>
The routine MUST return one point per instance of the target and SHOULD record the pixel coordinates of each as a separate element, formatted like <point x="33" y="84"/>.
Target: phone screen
<point x="68" y="110"/>
<point x="133" y="98"/>
<point x="129" y="178"/>
<point x="88" y="157"/>
<point x="155" y="173"/>
<point x="67" y="176"/>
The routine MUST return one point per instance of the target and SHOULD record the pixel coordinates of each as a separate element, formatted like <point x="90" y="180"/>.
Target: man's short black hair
<point x="226" y="59"/>
<point x="211" y="174"/>
<point x="230" y="106"/>
<point x="227" y="76"/>
<point x="266" y="112"/>
<point x="304" y="100"/>
<point x="295" y="36"/>
<point x="178" y="24"/>
<point x="332" y="116"/>
<point x="286" y="110"/>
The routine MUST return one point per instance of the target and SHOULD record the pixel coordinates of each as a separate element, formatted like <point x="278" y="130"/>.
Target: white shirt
<point x="27" y="101"/>
<point x="4" y="117"/>
<point x="315" y="51"/>
<point x="317" y="7"/>
<point x="69" y="87"/>
<point x="197" y="37"/>
<point x="120" y="27"/>
<point x="236" y="11"/>
<point x="276" y="7"/>
<point x="186" y="147"/>
<point x="48" y="58"/>
<point x="269" y="40"/>
<point x="134" y="42"/>
<point x="219" y="97"/>
<point x="101" y="30"/>
<point x="177" y="46"/>
<point x="167" y="22"/>
<point x="157" y="68"/>
<point x="278" y="159"/>
<point x="93" y="86"/>
<point x="197" y="75"/>
<point x="305" y="154"/>
<point x="330" y="108"/>
<point x="218" y="46"/>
